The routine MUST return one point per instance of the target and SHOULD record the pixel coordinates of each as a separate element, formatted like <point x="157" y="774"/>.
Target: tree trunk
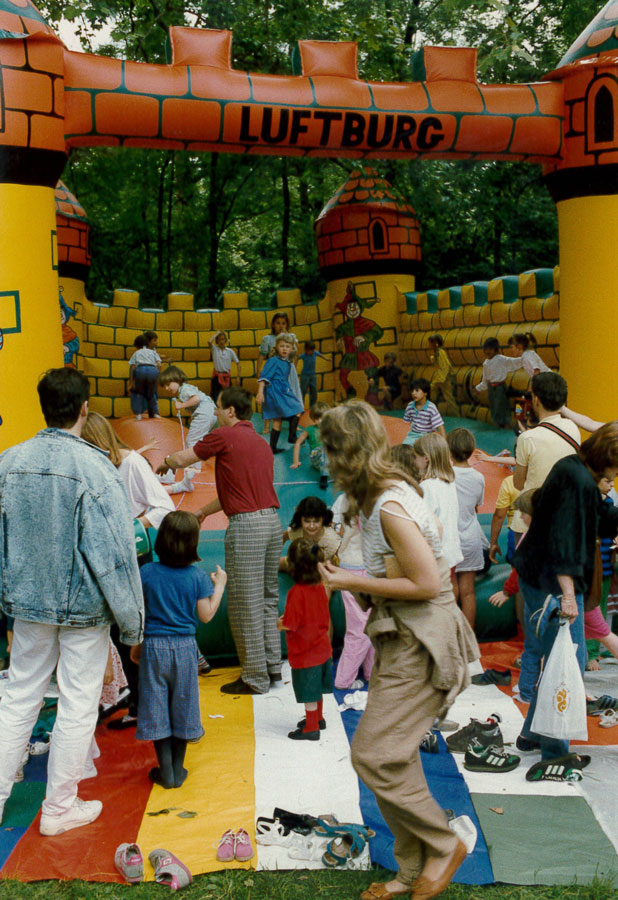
<point x="213" y="242"/>
<point x="285" y="225"/>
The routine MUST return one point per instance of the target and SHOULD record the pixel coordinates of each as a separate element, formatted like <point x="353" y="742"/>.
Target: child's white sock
<point x="186" y="484"/>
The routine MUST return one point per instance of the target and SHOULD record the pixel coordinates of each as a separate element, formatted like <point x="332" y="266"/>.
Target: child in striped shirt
<point x="421" y="413"/>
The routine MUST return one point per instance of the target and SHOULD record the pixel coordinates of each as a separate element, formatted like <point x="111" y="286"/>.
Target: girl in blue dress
<point x="275" y="394"/>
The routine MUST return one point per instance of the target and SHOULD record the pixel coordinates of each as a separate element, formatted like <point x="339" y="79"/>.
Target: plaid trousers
<point x="253" y="543"/>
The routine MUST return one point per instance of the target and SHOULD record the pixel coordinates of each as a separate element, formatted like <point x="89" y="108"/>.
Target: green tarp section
<point x="544" y="840"/>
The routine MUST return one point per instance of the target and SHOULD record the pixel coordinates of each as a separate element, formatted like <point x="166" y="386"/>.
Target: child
<point x="308" y="381"/>
<point x="222" y="358"/>
<point x="275" y="393"/>
<point x="306" y="622"/>
<point x="470" y="486"/>
<point x="312" y="520"/>
<point x="144" y="368"/>
<point x="357" y="650"/>
<point x="390" y="373"/>
<point x="505" y="508"/>
<point x="530" y="360"/>
<point x="280" y="324"/>
<point x="176" y="595"/>
<point x="422" y="414"/>
<point x="203" y="418"/>
<point x="317" y="455"/>
<point x="442" y="380"/>
<point x="524" y="503"/>
<point x="495" y="369"/>
<point x="433" y="463"/>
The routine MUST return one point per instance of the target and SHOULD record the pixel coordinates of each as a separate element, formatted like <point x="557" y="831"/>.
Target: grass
<point x="300" y="885"/>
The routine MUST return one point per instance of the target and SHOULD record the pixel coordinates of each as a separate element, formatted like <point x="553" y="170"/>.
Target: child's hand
<point x="295" y="465"/>
<point x="334" y="577"/>
<point x="280" y="625"/>
<point x="136" y="654"/>
<point x="219" y="577"/>
<point x="499" y="598"/>
<point x="494" y="552"/>
<point x="177" y="404"/>
<point x="151" y="445"/>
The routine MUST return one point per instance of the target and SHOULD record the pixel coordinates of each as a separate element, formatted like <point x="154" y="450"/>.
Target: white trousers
<point x="80" y="656"/>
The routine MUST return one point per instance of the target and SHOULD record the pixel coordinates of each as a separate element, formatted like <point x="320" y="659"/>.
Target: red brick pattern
<point x="349" y="227"/>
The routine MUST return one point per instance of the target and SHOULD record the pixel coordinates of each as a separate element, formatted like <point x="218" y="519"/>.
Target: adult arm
<point x="421" y="578"/>
<point x="179" y="460"/>
<point x="209" y="509"/>
<point x="568" y="603"/>
<point x="146" y="494"/>
<point x="583" y="422"/>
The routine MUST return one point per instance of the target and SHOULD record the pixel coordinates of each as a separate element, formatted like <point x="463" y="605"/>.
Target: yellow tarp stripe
<point x="220" y="786"/>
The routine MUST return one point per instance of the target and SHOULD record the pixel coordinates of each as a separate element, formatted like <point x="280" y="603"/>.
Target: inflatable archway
<point x="52" y="100"/>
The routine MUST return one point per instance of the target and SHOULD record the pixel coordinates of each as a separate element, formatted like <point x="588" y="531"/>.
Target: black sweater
<point x="569" y="514"/>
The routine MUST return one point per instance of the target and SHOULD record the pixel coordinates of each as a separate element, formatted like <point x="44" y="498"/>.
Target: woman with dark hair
<point x="556" y="559"/>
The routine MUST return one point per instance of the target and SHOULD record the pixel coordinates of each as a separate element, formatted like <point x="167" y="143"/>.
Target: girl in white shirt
<point x="530" y="360"/>
<point x="433" y="464"/>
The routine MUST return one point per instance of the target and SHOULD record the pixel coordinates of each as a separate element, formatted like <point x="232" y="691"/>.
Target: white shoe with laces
<point x="82" y="812"/>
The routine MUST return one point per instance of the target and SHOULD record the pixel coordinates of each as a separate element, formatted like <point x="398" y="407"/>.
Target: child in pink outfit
<point x="357" y="648"/>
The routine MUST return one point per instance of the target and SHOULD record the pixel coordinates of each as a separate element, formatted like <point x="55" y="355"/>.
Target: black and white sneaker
<point x="487" y="733"/>
<point x="489" y="759"/>
<point x="429" y="744"/>
<point x="561" y="768"/>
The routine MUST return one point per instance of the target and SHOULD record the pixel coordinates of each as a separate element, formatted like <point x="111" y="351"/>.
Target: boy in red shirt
<point x="306" y="621"/>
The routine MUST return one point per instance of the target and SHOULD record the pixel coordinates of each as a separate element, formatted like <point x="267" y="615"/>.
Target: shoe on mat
<point x="300" y="735"/>
<point x="38" y="748"/>
<point x="299" y="822"/>
<point x="600" y="705"/>
<point x="275" y="677"/>
<point x="429" y="744"/>
<point x="273" y="833"/>
<point x="122" y="723"/>
<point x="182" y="487"/>
<point x="203" y="666"/>
<point x="225" y="849"/>
<point x="169" y="870"/>
<point x="561" y="768"/>
<point x="302" y="723"/>
<point x="526" y="745"/>
<point x="130" y="863"/>
<point x="444" y="725"/>
<point x="238" y="687"/>
<point x="492" y="676"/>
<point x="608" y="719"/>
<point x="243" y="848"/>
<point x="489" y="759"/>
<point x="487" y="733"/>
<point x="82" y="812"/>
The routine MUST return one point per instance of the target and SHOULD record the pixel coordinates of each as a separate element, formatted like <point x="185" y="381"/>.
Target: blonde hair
<point x="99" y="432"/>
<point x="359" y="453"/>
<point x="436" y="449"/>
<point x="286" y="338"/>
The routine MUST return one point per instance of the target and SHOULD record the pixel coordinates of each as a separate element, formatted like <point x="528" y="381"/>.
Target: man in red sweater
<point x="253" y="540"/>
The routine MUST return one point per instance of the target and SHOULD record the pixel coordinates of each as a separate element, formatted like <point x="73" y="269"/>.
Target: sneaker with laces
<point x="82" y="812"/>
<point x="560" y="768"/>
<point x="429" y="744"/>
<point x="130" y="863"/>
<point x="489" y="759"/>
<point x="243" y="849"/>
<point x="225" y="850"/>
<point x="487" y="733"/>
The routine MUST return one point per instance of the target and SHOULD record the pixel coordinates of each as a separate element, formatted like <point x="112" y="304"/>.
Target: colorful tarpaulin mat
<point x="245" y="766"/>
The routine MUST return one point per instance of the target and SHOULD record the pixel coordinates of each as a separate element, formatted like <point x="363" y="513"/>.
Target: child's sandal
<point x="342" y="849"/>
<point x="328" y="826"/>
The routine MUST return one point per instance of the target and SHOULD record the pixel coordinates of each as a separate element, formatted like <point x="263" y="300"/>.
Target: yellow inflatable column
<point x="29" y="307"/>
<point x="589" y="303"/>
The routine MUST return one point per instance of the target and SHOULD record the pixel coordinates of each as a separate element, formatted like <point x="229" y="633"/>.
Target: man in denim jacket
<point x="68" y="569"/>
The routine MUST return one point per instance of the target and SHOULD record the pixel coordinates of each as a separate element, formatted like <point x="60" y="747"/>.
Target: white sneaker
<point x="83" y="812"/>
<point x="19" y="775"/>
<point x="168" y="478"/>
<point x="38" y="748"/>
<point x="139" y="417"/>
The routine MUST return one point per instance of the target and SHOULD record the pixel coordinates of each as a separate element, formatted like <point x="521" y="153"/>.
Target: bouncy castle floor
<point x="245" y="765"/>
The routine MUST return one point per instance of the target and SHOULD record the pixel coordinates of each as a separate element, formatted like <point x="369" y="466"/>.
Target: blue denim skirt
<point x="169" y="703"/>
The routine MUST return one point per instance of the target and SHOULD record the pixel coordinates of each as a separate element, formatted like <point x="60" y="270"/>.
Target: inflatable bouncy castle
<point x="53" y="99"/>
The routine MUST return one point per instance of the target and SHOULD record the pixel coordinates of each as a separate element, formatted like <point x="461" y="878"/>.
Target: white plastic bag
<point x="561" y="699"/>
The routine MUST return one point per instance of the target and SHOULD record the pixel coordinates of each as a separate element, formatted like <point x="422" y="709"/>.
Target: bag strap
<point x="560" y="433"/>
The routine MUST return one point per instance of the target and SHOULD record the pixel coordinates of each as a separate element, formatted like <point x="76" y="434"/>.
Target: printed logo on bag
<point x="561" y="698"/>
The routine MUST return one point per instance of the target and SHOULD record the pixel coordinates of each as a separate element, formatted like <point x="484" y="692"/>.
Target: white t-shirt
<point x="530" y="360"/>
<point x="441" y="498"/>
<point x="222" y="359"/>
<point x="146" y="494"/>
<point x="470" y="486"/>
<point x="145" y="357"/>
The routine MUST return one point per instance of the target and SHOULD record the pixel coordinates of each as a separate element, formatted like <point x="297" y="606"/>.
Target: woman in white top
<point x="422" y="644"/>
<point x="149" y="500"/>
<point x="433" y="463"/>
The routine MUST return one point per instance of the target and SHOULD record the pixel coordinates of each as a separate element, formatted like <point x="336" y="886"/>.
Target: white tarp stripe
<point x="314" y="777"/>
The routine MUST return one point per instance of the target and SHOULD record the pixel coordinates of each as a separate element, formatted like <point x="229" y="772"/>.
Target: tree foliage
<point x="165" y="221"/>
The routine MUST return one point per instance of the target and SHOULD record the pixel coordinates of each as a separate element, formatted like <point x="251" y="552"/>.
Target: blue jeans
<point x="535" y="648"/>
<point x="309" y="383"/>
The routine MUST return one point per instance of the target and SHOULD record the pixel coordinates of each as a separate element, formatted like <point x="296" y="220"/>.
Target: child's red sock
<point x="312" y="720"/>
<point x="320" y="714"/>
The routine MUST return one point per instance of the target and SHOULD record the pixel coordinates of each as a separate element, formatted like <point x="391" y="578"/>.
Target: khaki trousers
<point x="401" y="707"/>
